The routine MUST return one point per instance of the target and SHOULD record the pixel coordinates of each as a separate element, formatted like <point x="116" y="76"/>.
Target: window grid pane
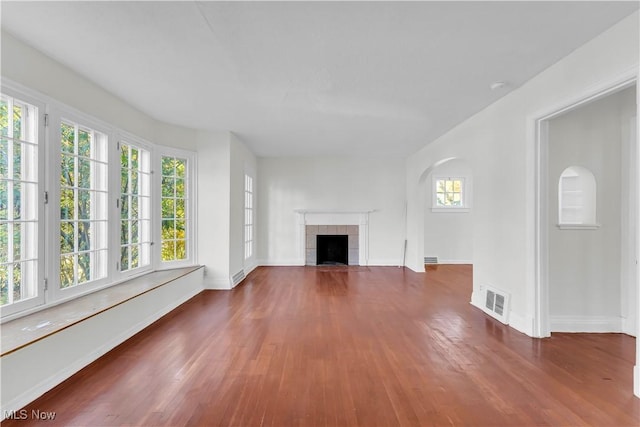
<point x="174" y="204"/>
<point x="135" y="212"/>
<point x="248" y="216"/>
<point x="449" y="192"/>
<point x="18" y="201"/>
<point x="83" y="205"/>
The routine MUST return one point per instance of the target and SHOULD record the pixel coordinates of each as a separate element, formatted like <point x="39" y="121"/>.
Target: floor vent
<point x="237" y="278"/>
<point x="496" y="304"/>
<point x="431" y="260"/>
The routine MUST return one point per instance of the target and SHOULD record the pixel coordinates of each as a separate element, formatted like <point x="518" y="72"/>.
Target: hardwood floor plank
<point x="356" y="346"/>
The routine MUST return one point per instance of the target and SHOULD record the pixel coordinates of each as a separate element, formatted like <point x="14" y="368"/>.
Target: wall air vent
<point x="237" y="278"/>
<point x="431" y="260"/>
<point x="496" y="304"/>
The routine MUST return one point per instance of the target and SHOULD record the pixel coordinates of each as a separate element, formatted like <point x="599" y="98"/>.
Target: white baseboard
<point x="58" y="377"/>
<point x="281" y="263"/>
<point x="516" y="321"/>
<point x="476" y="299"/>
<point x="585" y="324"/>
<point x="521" y="323"/>
<point x="454" y="261"/>
<point x="384" y="263"/>
<point x="216" y="283"/>
<point x="629" y="327"/>
<point x="250" y="268"/>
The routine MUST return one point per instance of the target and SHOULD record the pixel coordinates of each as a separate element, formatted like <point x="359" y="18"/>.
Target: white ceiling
<point x="311" y="78"/>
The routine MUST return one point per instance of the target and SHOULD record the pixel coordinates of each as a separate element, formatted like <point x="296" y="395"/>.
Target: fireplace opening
<point x="332" y="250"/>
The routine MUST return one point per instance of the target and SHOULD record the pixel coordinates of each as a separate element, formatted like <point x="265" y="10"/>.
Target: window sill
<point x="36" y="326"/>
<point x="450" y="210"/>
<point x="578" y="226"/>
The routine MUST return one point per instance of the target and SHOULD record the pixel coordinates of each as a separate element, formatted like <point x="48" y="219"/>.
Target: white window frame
<point x="130" y="139"/>
<point x="249" y="216"/>
<point x="190" y="206"/>
<point x="465" y="195"/>
<point x="24" y="95"/>
<point x="52" y="111"/>
<point x="58" y="114"/>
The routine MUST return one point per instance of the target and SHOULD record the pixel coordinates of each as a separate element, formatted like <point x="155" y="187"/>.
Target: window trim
<point x="191" y="206"/>
<point x="126" y="137"/>
<point x="465" y="195"/>
<point x="56" y="115"/>
<point x="49" y="214"/>
<point x="249" y="243"/>
<point x="25" y="95"/>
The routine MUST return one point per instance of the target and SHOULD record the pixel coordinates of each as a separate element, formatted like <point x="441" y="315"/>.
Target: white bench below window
<point x="42" y="349"/>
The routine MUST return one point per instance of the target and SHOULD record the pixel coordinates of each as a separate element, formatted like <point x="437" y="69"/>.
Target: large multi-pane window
<point x="18" y="201"/>
<point x="83" y="205"/>
<point x="135" y="207"/>
<point x="83" y="217"/>
<point x="174" y="208"/>
<point x="248" y="216"/>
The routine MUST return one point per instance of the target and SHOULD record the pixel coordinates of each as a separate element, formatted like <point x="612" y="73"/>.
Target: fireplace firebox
<point x="332" y="250"/>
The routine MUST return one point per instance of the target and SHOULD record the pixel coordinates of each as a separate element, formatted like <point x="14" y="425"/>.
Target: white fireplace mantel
<point x="334" y="217"/>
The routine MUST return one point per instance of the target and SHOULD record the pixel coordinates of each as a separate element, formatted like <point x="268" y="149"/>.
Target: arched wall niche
<point x="577" y="197"/>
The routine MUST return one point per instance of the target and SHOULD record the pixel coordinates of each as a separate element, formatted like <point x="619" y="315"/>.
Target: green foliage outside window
<point x="173" y="209"/>
<point x="449" y="192"/>
<point x="16" y="227"/>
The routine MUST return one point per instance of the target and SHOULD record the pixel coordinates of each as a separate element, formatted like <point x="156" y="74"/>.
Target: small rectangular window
<point x="83" y="205"/>
<point x="449" y="193"/>
<point x="135" y="207"/>
<point x="248" y="216"/>
<point x="19" y="202"/>
<point x="174" y="205"/>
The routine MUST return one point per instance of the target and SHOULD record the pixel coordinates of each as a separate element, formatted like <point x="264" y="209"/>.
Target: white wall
<point x="222" y="159"/>
<point x="214" y="193"/>
<point x="498" y="144"/>
<point x="31" y="68"/>
<point x="331" y="184"/>
<point x="585" y="265"/>
<point x="447" y="235"/>
<point x="242" y="160"/>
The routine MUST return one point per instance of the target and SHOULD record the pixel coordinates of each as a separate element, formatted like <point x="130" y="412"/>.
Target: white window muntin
<point x="248" y="216"/>
<point x="135" y="230"/>
<point x="99" y="219"/>
<point x="190" y="215"/>
<point x="24" y="250"/>
<point x="462" y="196"/>
<point x="49" y="214"/>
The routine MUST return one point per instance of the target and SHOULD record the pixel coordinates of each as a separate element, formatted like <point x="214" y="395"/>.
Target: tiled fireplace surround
<point x="314" y="223"/>
<point x="313" y="231"/>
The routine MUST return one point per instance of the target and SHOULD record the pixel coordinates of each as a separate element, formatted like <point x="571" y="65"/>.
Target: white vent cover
<point x="496" y="303"/>
<point x="237" y="278"/>
<point x="431" y="260"/>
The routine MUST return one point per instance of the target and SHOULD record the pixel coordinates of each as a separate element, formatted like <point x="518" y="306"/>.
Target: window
<point x="248" y="216"/>
<point x="19" y="201"/>
<point x="450" y="194"/>
<point x="577" y="198"/>
<point x="104" y="205"/>
<point x="174" y="208"/>
<point x="135" y="207"/>
<point x="83" y="205"/>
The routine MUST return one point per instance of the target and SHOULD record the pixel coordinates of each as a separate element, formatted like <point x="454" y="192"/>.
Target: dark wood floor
<point x="348" y="347"/>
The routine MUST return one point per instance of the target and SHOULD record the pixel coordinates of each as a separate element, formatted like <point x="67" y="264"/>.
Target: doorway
<point x="587" y="278"/>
